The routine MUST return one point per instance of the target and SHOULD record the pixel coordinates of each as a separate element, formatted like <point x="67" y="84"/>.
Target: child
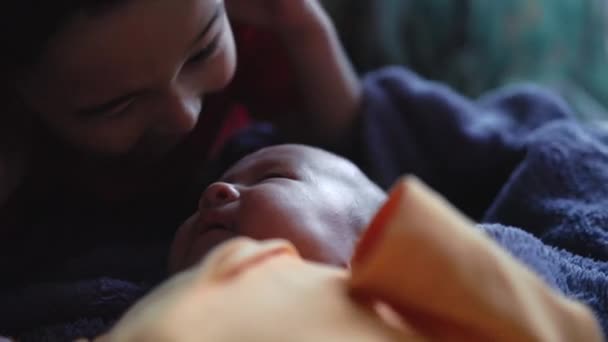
<point x="113" y="109"/>
<point x="110" y="88"/>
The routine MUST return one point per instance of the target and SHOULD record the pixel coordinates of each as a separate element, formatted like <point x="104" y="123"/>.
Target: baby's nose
<point x="218" y="194"/>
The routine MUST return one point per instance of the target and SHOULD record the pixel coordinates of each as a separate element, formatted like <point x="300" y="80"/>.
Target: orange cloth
<point x="456" y="284"/>
<point x="421" y="272"/>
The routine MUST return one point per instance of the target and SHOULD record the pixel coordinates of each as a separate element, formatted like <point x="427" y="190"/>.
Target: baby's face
<point x="292" y="192"/>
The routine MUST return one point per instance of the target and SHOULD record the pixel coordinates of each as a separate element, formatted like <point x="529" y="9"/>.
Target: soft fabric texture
<point x="421" y="272"/>
<point x="253" y="291"/>
<point x="513" y="160"/>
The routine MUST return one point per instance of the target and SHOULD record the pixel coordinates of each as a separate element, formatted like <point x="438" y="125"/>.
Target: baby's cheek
<point x="268" y="224"/>
<point x="277" y="213"/>
<point x="296" y="232"/>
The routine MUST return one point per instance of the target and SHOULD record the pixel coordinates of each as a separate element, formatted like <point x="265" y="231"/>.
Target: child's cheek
<point x="222" y="67"/>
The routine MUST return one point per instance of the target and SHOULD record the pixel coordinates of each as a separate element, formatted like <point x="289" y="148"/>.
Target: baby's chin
<point x="200" y="246"/>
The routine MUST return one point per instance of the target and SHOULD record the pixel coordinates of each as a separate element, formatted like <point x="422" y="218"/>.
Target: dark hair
<point x="27" y="25"/>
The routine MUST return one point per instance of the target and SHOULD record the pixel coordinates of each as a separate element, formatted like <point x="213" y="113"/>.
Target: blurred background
<point x="478" y="45"/>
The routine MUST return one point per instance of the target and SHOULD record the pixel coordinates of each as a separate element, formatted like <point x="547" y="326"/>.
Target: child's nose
<point x="218" y="194"/>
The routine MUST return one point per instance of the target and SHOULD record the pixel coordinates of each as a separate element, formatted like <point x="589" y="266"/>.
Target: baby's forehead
<point x="293" y="157"/>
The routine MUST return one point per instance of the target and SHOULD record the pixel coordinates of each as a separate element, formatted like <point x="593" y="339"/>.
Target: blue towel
<point x="85" y="296"/>
<point x="515" y="160"/>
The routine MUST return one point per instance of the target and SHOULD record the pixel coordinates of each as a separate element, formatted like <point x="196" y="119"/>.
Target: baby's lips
<point x="236" y="255"/>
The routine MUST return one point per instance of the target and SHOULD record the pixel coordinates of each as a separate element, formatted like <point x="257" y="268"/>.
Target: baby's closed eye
<point x="276" y="175"/>
<point x="271" y="175"/>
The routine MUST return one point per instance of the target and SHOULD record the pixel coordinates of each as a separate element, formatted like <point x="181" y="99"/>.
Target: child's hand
<point x="284" y="17"/>
<point x="329" y="87"/>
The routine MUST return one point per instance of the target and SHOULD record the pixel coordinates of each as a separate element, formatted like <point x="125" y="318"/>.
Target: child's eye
<point x="206" y="52"/>
<point x="110" y="110"/>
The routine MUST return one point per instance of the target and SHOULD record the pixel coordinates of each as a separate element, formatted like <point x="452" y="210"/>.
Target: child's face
<point x="131" y="81"/>
<point x="293" y="192"/>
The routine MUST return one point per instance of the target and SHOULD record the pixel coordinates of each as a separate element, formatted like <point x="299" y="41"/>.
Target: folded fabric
<point x="451" y="282"/>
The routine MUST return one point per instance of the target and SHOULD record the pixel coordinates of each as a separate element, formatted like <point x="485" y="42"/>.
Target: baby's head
<point x="318" y="201"/>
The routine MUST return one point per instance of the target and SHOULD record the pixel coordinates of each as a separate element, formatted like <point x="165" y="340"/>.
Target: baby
<point x="318" y="201"/>
<point x="415" y="276"/>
